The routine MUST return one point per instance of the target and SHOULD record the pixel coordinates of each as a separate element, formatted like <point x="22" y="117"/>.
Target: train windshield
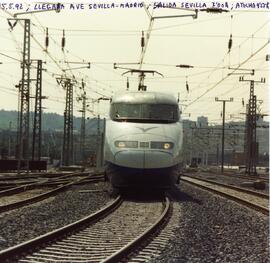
<point x="160" y="113"/>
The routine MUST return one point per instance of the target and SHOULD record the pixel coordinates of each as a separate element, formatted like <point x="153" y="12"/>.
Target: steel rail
<point x="126" y="250"/>
<point x="241" y="189"/>
<point x="252" y="178"/>
<point x="16" y="251"/>
<point x="45" y="182"/>
<point x="262" y="209"/>
<point x="33" y="176"/>
<point x="27" y="186"/>
<point x="42" y="196"/>
<point x="18" y="189"/>
<point x="238" y="175"/>
<point x="90" y="179"/>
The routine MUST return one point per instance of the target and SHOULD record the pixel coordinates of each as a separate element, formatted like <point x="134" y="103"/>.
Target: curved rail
<point x="102" y="239"/>
<point x="252" y="178"/>
<point x="123" y="252"/>
<point x="240" y="189"/>
<point x="28" y="186"/>
<point x="247" y="198"/>
<point x="42" y="196"/>
<point x="16" y="251"/>
<point x="18" y="189"/>
<point x="242" y="176"/>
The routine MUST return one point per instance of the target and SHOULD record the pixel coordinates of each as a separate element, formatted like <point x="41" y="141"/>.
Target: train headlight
<point x="126" y="144"/>
<point x="167" y="146"/>
<point x="162" y="145"/>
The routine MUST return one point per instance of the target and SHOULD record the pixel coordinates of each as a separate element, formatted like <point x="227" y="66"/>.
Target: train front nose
<point x="144" y="151"/>
<point x="143" y="159"/>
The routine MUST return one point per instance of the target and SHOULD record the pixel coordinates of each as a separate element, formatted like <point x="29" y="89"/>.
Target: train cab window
<point x="159" y="113"/>
<point x="125" y="111"/>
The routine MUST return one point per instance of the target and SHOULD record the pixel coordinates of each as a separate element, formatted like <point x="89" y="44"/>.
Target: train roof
<point x="144" y="97"/>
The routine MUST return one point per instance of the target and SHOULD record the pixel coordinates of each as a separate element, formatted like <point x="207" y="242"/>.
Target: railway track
<point x="255" y="200"/>
<point x="242" y="176"/>
<point x="251" y="178"/>
<point x="109" y="235"/>
<point x="12" y="182"/>
<point x="14" y="179"/>
<point x="31" y="193"/>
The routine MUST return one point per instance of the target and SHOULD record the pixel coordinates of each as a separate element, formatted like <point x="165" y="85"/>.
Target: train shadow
<point x="151" y="195"/>
<point x="142" y="194"/>
<point x="180" y="196"/>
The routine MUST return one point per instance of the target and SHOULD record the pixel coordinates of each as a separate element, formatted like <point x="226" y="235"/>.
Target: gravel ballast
<point x="214" y="229"/>
<point x="210" y="229"/>
<point x="37" y="219"/>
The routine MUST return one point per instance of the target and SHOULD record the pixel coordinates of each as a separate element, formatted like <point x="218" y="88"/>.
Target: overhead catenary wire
<point x="64" y="54"/>
<point x="220" y="81"/>
<point x="242" y="63"/>
<point x="13" y="58"/>
<point x="106" y="83"/>
<point x="67" y="51"/>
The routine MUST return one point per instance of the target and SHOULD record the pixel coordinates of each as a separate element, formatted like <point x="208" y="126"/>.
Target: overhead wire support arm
<point x="103" y="98"/>
<point x="184" y="66"/>
<point x="67" y="69"/>
<point x="77" y="62"/>
<point x="214" y="10"/>
<point x="87" y="65"/>
<point x="141" y="71"/>
<point x="194" y="16"/>
<point x="248" y="71"/>
<point x="175" y="16"/>
<point x="254" y="81"/>
<point x="118" y="67"/>
<point x="57" y="9"/>
<point x="141" y="74"/>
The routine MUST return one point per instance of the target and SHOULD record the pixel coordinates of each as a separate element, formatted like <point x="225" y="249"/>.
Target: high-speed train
<point x="143" y="142"/>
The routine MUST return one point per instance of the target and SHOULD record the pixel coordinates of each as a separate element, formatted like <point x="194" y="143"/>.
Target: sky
<point x="103" y="37"/>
